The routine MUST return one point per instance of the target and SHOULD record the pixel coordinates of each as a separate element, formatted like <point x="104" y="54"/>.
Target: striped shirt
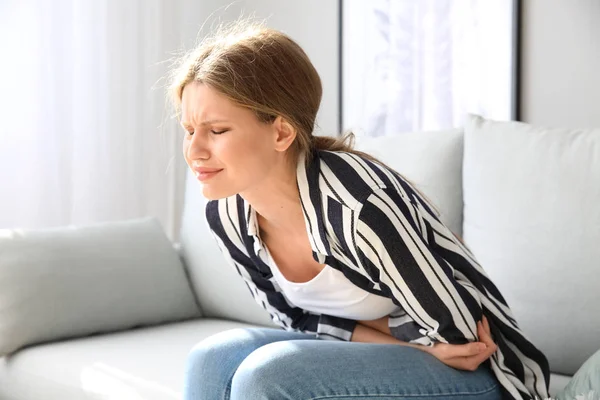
<point x="369" y="223"/>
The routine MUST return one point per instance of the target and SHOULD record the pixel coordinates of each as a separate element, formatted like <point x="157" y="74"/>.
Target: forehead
<point x="199" y="101"/>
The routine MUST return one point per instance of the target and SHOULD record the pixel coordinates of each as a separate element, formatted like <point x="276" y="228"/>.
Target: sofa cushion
<point x="558" y="383"/>
<point x="532" y="218"/>
<point x="220" y="290"/>
<point x="430" y="160"/>
<point x="66" y="282"/>
<point x="146" y="363"/>
<point x="585" y="383"/>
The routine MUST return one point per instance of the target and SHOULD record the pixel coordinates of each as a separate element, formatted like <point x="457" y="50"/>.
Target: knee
<point x="207" y="356"/>
<point x="266" y="372"/>
<point x="201" y="357"/>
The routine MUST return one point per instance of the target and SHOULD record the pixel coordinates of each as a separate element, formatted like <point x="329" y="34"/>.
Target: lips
<point x="201" y="170"/>
<point x="203" y="174"/>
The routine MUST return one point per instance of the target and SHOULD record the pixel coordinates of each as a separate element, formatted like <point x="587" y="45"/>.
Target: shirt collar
<point x="307" y="174"/>
<point x="251" y="219"/>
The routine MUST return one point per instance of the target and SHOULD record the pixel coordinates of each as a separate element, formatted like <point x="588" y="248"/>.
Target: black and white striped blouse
<point x="369" y="223"/>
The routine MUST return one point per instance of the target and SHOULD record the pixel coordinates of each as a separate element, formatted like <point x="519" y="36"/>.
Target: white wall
<point x="560" y="76"/>
<point x="313" y="24"/>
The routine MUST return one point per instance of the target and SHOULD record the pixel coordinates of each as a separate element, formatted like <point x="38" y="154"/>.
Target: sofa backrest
<point x="432" y="161"/>
<point x="532" y="219"/>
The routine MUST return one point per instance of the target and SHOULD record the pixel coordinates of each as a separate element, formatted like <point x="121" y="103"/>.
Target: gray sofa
<point x="110" y="311"/>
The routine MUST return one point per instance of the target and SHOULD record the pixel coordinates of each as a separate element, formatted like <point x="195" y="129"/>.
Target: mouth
<point x="203" y="176"/>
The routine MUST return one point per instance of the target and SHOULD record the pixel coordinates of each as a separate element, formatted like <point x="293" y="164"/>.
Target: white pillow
<point x="66" y="282"/>
<point x="532" y="219"/>
<point x="430" y="160"/>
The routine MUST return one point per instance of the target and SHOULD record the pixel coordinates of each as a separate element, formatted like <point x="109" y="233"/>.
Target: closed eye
<point x="213" y="132"/>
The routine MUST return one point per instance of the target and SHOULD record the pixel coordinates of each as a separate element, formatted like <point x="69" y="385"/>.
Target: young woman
<point x="377" y="298"/>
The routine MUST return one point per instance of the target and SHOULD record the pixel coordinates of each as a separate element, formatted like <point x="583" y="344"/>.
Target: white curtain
<point x="422" y="65"/>
<point x="86" y="134"/>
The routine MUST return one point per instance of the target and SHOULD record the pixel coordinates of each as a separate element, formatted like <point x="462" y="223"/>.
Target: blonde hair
<point x="263" y="70"/>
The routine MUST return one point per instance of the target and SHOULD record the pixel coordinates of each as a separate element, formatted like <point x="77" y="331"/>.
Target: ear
<point x="284" y="134"/>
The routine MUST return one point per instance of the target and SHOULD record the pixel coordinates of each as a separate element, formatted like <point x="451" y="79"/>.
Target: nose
<point x="197" y="147"/>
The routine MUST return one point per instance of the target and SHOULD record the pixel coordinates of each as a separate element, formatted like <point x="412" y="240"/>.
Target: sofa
<point x="111" y="310"/>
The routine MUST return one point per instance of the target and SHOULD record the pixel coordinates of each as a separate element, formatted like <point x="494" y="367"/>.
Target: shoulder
<point x="357" y="179"/>
<point x="352" y="178"/>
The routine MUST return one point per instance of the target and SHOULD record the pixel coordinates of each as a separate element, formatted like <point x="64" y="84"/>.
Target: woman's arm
<point x="367" y="334"/>
<point x="381" y="325"/>
<point x="393" y="235"/>
<point x="460" y="356"/>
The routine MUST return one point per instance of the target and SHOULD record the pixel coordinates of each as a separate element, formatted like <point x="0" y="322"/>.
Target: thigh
<point x="311" y="370"/>
<point x="212" y="363"/>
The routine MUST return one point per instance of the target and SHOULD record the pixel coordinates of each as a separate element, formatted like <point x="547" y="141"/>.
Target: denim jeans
<point x="265" y="363"/>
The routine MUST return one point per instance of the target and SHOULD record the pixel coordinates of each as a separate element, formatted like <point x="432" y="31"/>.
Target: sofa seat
<point x="146" y="363"/>
<point x="141" y="364"/>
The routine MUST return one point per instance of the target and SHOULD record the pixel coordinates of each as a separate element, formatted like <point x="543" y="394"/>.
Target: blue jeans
<point x="265" y="363"/>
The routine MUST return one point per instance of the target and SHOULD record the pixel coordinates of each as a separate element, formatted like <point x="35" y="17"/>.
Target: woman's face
<point x="228" y="149"/>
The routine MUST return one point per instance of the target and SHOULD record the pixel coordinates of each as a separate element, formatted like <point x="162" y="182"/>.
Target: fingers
<point x="486" y="328"/>
<point x="459" y="351"/>
<point x="473" y="361"/>
<point x="486" y="338"/>
<point x="468" y="356"/>
<point x="486" y="325"/>
<point x="481" y="347"/>
<point x="471" y="349"/>
<point x="484" y="334"/>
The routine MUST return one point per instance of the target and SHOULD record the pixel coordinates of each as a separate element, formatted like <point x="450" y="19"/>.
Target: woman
<point x="376" y="296"/>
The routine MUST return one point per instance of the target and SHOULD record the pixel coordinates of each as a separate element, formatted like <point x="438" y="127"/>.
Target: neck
<point x="277" y="201"/>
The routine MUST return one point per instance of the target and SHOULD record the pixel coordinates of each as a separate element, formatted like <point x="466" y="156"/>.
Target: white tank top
<point x="331" y="293"/>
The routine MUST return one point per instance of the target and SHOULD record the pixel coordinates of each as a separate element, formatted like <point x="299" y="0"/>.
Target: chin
<point x="212" y="194"/>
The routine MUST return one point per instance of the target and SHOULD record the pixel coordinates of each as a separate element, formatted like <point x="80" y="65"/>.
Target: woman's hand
<point x="460" y="356"/>
<point x="466" y="356"/>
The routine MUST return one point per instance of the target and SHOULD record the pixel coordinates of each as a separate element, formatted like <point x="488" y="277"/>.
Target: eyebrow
<point x="208" y="122"/>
